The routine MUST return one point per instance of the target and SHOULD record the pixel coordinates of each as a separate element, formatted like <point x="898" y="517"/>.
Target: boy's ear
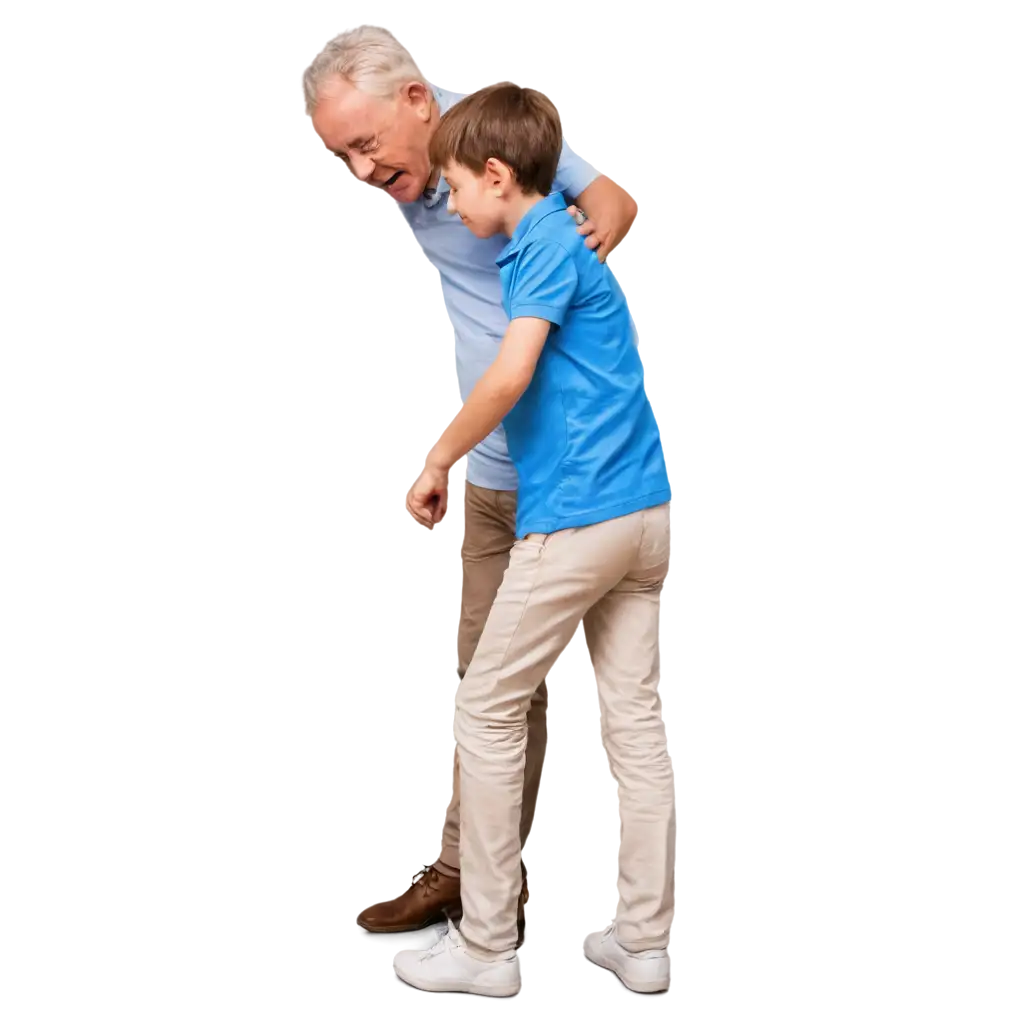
<point x="498" y="176"/>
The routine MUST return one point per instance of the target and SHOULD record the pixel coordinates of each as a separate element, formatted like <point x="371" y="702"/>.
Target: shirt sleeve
<point x="574" y="174"/>
<point x="544" y="283"/>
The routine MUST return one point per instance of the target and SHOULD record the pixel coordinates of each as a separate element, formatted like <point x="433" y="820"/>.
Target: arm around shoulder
<point x="609" y="208"/>
<point x="610" y="212"/>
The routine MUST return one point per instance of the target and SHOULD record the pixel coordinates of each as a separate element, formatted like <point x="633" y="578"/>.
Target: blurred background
<point x="222" y="362"/>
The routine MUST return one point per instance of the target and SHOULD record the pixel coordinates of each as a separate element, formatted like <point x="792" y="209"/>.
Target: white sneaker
<point x="447" y="967"/>
<point x="640" y="972"/>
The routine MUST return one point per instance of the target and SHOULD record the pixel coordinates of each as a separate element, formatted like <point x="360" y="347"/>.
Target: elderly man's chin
<point x="406" y="188"/>
<point x="399" y="187"/>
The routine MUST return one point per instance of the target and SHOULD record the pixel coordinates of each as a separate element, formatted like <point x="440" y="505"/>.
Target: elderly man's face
<point x="384" y="142"/>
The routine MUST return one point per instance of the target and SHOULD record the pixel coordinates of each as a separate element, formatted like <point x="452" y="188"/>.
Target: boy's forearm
<point x="495" y="394"/>
<point x="493" y="398"/>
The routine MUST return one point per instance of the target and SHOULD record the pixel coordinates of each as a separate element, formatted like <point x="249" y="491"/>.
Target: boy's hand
<point x="448" y="514"/>
<point x="452" y="507"/>
<point x="424" y="499"/>
<point x="448" y="521"/>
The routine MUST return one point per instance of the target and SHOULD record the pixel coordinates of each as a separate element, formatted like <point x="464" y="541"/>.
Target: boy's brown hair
<point x="519" y="127"/>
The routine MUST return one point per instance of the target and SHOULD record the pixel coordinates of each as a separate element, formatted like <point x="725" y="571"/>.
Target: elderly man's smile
<point x="397" y="185"/>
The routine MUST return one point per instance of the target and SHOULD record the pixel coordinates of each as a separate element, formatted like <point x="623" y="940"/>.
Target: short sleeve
<point x="574" y="174"/>
<point x="544" y="282"/>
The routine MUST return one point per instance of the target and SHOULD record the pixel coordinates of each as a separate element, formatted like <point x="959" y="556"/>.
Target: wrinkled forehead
<point x="345" y="115"/>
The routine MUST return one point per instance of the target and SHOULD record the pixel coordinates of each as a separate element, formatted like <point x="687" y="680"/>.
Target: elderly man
<point x="374" y="110"/>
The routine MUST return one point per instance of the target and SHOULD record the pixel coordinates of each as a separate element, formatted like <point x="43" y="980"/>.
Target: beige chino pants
<point x="610" y="576"/>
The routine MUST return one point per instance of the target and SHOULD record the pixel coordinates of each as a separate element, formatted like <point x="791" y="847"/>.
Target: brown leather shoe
<point x="430" y="899"/>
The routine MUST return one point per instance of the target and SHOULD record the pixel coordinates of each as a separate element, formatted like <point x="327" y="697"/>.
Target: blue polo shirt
<point x="583" y="436"/>
<point x="472" y="293"/>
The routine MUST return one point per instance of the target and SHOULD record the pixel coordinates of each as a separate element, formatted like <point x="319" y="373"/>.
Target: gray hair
<point x="369" y="58"/>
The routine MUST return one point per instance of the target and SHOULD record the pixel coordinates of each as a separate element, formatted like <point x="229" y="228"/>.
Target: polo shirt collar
<point x="554" y="203"/>
<point x="432" y="196"/>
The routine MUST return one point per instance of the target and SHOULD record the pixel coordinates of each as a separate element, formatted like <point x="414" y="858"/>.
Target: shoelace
<point x="428" y="878"/>
<point x="444" y="940"/>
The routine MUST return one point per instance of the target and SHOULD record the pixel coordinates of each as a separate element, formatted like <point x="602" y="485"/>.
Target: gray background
<point x="223" y="657"/>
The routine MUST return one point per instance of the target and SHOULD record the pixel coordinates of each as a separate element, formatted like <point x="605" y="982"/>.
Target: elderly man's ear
<point x="419" y="97"/>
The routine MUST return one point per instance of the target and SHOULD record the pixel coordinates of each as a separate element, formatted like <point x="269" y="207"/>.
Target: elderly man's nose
<point x="362" y="166"/>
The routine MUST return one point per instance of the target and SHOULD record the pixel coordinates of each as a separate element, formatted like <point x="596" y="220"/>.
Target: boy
<point x="592" y="545"/>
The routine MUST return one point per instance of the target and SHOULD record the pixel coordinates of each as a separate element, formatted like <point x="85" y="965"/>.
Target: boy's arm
<point x="545" y="282"/>
<point x="495" y="393"/>
<point x="609" y="208"/>
<point x="494" y="396"/>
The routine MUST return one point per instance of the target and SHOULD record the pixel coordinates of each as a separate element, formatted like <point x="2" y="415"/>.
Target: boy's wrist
<point x="436" y="460"/>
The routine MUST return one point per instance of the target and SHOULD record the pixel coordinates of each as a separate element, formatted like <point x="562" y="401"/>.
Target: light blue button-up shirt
<point x="471" y="286"/>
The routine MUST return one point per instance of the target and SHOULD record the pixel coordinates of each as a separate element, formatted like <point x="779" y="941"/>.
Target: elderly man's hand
<point x="598" y="236"/>
<point x="609" y="212"/>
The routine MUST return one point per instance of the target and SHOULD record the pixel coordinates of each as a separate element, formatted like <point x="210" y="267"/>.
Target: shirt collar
<point x="432" y="196"/>
<point x="553" y="203"/>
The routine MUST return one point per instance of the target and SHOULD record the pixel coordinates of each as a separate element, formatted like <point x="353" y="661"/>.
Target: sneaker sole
<point x="643" y="987"/>
<point x="607" y="971"/>
<point x="504" y="995"/>
<point x="497" y="991"/>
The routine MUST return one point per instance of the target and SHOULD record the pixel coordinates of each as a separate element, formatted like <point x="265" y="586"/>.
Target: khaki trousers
<point x="610" y="576"/>
<point x="490" y="533"/>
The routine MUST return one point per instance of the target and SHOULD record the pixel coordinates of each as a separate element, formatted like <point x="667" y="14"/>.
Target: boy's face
<point x="476" y="198"/>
